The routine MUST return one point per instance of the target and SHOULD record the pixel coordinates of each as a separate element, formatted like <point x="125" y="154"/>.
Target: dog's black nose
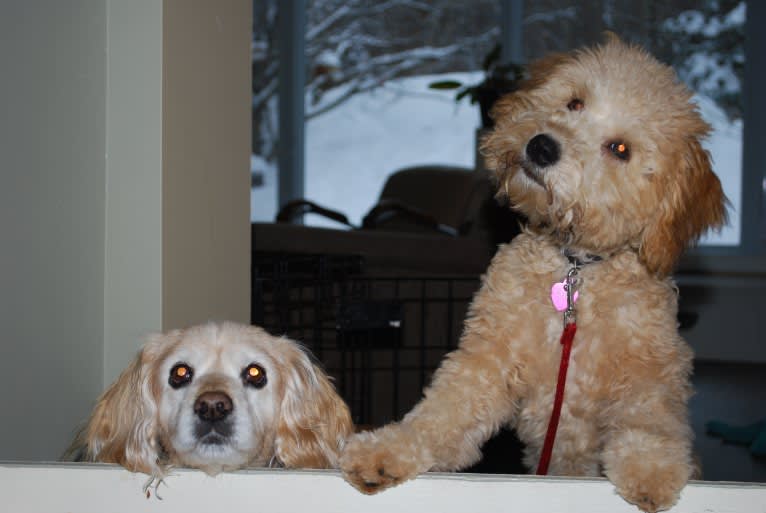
<point x="213" y="406"/>
<point x="543" y="150"/>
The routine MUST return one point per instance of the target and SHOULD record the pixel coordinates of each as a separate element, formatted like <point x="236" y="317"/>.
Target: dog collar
<point x="580" y="259"/>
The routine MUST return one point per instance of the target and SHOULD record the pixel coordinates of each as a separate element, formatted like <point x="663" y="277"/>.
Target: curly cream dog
<point x="600" y="150"/>
<point x="217" y="397"/>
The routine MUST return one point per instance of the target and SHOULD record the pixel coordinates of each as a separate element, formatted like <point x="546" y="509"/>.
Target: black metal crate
<point x="379" y="337"/>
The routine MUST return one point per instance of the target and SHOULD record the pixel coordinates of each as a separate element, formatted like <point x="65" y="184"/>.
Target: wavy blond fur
<point x="140" y="422"/>
<point x="601" y="151"/>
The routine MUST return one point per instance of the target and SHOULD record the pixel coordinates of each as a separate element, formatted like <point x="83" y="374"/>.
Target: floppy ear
<point x="693" y="202"/>
<point x="314" y="421"/>
<point x="122" y="428"/>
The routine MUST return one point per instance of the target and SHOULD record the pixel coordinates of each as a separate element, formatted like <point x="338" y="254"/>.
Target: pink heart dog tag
<point x="559" y="296"/>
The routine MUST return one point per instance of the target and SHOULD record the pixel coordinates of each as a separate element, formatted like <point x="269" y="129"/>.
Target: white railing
<point x="109" y="489"/>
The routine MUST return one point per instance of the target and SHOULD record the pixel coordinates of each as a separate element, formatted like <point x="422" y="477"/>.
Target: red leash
<point x="567" y="336"/>
<point x="550" y="436"/>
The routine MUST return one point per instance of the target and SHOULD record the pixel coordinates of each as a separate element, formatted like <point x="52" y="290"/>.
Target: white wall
<point x="52" y="140"/>
<point x="133" y="278"/>
<point x="88" y="186"/>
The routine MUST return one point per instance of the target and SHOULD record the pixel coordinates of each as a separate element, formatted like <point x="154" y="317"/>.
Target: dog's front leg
<point x="472" y="394"/>
<point x="649" y="464"/>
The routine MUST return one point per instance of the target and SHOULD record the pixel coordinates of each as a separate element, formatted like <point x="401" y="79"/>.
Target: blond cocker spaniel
<point x="217" y="397"/>
<point x="600" y="150"/>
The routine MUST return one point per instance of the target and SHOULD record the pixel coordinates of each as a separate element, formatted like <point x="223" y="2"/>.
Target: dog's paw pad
<point x="658" y="499"/>
<point x="372" y="465"/>
<point x="647" y="504"/>
<point x="370" y="482"/>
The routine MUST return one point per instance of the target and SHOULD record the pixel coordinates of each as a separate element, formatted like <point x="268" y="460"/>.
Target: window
<point x="369" y="109"/>
<point x="376" y="62"/>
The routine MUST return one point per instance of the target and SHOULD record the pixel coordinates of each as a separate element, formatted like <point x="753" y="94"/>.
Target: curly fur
<point x="142" y="423"/>
<point x="625" y="409"/>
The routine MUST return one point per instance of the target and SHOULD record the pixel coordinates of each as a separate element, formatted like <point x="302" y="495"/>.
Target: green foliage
<point x="500" y="78"/>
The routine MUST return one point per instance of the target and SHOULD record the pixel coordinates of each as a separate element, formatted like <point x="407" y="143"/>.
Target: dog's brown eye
<point x="180" y="375"/>
<point x="576" y="104"/>
<point x="619" y="149"/>
<point x="254" y="375"/>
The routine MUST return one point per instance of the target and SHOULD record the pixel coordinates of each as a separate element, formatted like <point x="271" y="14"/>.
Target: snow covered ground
<point x="352" y="149"/>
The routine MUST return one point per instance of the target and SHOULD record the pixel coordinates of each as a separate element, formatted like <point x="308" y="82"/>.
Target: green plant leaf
<point x="462" y="94"/>
<point x="445" y="84"/>
<point x="491" y="58"/>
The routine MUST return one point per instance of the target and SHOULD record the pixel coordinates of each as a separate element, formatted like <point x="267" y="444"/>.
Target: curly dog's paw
<point x="650" y="487"/>
<point x="374" y="461"/>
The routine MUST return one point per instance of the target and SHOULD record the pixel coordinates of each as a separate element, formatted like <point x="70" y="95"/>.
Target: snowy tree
<point x="708" y="50"/>
<point x="264" y="70"/>
<point x="702" y="40"/>
<point x="354" y="46"/>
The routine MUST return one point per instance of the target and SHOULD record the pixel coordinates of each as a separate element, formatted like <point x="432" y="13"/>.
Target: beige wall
<point x="124" y="142"/>
<point x="206" y="178"/>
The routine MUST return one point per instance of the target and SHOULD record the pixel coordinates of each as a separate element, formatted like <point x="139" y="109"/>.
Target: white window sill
<point x="105" y="488"/>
